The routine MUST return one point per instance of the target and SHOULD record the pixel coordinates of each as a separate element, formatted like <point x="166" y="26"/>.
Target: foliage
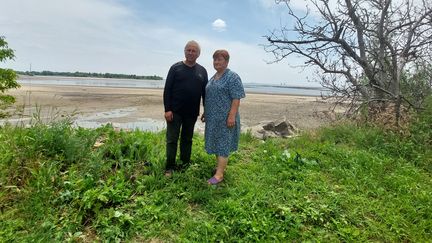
<point x="421" y="136"/>
<point x="95" y="75"/>
<point x="416" y="85"/>
<point x="7" y="78"/>
<point x="339" y="184"/>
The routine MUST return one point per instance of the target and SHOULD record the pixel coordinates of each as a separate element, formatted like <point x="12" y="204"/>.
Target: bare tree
<point x="361" y="48"/>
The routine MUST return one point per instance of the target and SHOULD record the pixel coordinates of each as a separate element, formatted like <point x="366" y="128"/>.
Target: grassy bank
<point x="343" y="183"/>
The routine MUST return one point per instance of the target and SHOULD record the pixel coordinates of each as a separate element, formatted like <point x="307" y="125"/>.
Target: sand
<point x="99" y="105"/>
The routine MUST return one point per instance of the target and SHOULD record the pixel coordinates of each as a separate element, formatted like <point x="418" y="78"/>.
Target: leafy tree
<point x="7" y="78"/>
<point x="361" y="48"/>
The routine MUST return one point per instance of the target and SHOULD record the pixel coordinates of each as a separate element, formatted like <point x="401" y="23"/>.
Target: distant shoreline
<point x="89" y="74"/>
<point x="287" y="86"/>
<point x="255" y="88"/>
<point x="57" y="77"/>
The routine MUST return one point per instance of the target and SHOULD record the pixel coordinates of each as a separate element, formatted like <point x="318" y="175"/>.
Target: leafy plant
<point x="7" y="78"/>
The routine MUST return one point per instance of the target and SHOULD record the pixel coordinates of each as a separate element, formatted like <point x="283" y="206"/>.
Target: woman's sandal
<point x="214" y="181"/>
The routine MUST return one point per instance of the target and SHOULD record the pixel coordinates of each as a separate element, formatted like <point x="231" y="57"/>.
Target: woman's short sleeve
<point x="236" y="87"/>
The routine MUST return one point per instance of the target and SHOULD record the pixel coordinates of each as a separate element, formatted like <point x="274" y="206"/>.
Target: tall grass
<point x="341" y="183"/>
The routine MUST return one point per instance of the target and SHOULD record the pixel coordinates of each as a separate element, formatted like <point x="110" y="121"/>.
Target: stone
<point x="269" y="126"/>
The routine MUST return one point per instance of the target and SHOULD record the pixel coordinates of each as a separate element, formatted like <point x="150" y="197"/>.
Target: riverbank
<point x="125" y="107"/>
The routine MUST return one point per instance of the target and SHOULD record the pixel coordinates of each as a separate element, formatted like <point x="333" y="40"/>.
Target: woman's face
<point x="219" y="63"/>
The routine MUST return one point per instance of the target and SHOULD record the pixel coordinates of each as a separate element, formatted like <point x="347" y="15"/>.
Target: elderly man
<point x="184" y="87"/>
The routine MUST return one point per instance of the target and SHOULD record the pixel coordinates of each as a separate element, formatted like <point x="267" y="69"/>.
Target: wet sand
<point x="120" y="106"/>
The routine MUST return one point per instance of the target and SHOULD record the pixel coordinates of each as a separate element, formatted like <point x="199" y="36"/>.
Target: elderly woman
<point x="222" y="120"/>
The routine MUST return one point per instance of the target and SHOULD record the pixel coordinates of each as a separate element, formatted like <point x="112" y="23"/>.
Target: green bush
<point x="421" y="136"/>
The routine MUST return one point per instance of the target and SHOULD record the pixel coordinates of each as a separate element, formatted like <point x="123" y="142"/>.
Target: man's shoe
<point x="168" y="173"/>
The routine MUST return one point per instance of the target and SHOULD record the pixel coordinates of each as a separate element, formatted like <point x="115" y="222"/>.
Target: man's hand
<point x="169" y="116"/>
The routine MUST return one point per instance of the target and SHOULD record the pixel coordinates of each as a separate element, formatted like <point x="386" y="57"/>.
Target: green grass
<point x="342" y="183"/>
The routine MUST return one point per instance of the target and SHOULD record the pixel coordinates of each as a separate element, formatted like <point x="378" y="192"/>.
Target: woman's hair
<point x="221" y="53"/>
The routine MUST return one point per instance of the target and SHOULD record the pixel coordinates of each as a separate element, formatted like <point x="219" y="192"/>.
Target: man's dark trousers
<point x="182" y="126"/>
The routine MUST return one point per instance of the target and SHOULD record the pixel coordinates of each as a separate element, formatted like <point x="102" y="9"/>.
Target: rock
<point x="282" y="129"/>
<point x="99" y="142"/>
<point x="257" y="131"/>
<point x="269" y="126"/>
<point x="268" y="134"/>
<point x="285" y="129"/>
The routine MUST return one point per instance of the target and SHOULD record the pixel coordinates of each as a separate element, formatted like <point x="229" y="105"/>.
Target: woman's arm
<point x="232" y="113"/>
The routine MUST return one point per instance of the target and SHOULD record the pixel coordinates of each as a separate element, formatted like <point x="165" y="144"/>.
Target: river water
<point x="159" y="84"/>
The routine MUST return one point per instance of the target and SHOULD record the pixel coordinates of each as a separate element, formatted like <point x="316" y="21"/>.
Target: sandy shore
<point x="120" y="106"/>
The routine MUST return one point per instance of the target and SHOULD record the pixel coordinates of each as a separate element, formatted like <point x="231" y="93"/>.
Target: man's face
<point x="191" y="53"/>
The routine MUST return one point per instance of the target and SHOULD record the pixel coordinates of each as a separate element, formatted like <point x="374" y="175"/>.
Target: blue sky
<point x="145" y="37"/>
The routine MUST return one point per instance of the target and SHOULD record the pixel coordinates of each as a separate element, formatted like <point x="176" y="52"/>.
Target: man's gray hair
<point x="193" y="43"/>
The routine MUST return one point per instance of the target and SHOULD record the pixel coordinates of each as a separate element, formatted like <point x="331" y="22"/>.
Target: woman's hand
<point x="231" y="120"/>
<point x="235" y="103"/>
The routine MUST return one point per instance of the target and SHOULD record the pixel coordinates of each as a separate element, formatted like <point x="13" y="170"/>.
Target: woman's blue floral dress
<point x="219" y="139"/>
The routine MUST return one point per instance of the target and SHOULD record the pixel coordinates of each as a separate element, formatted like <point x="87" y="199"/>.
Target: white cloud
<point x="219" y="25"/>
<point x="102" y="36"/>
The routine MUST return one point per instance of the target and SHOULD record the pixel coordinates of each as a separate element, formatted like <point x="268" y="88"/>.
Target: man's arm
<point x="203" y="92"/>
<point x="167" y="94"/>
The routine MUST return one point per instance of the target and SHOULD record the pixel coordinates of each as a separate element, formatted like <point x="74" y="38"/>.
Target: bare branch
<point x="362" y="48"/>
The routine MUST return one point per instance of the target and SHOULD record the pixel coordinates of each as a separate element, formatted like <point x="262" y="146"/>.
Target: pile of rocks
<point x="272" y="129"/>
